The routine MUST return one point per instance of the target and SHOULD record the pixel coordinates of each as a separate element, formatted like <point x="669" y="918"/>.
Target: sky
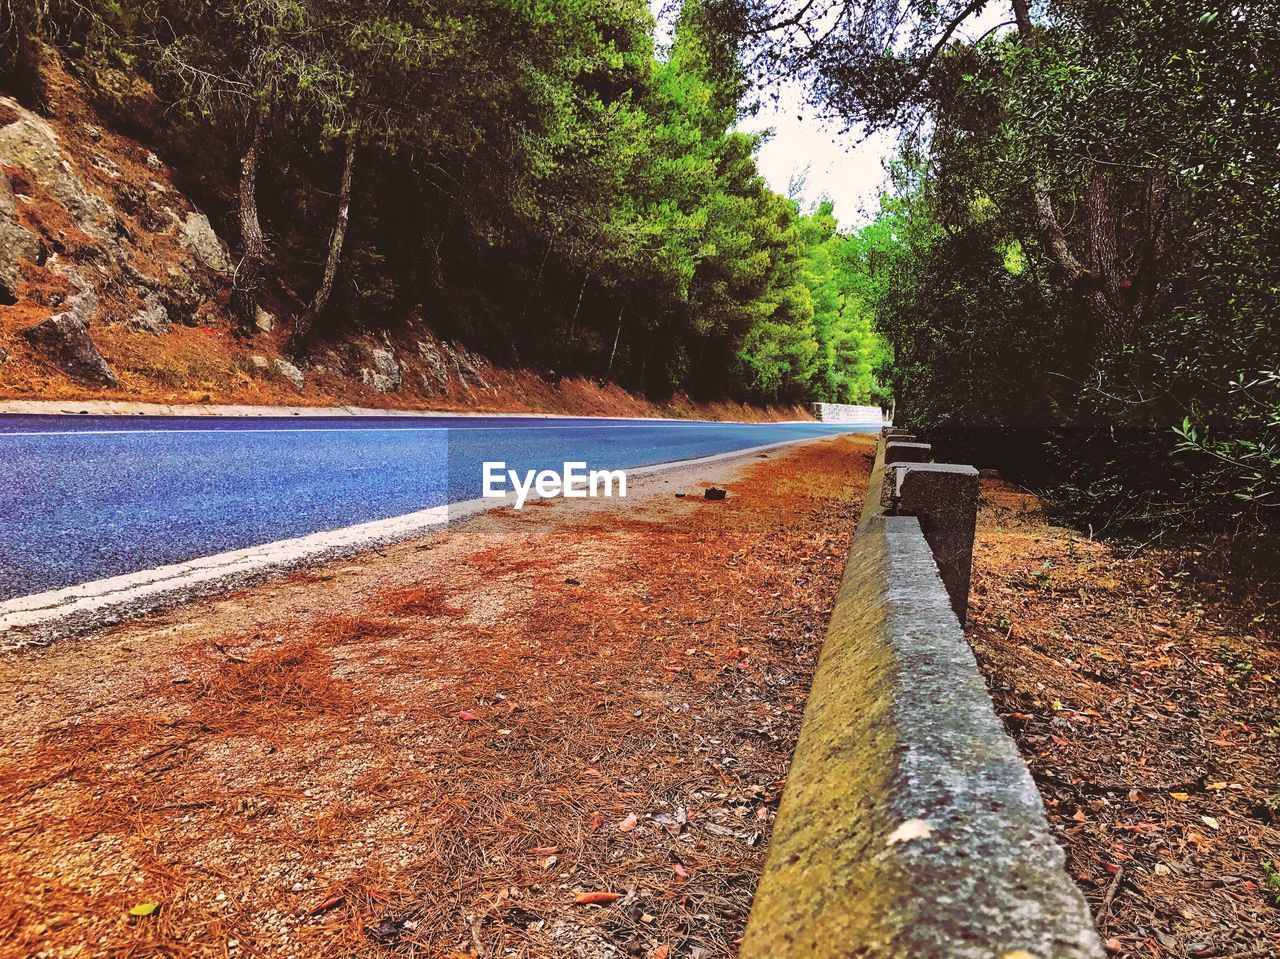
<point x="848" y="168"/>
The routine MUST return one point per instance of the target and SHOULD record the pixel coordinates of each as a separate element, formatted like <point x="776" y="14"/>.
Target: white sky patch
<point x="848" y="168"/>
<point x="844" y="167"/>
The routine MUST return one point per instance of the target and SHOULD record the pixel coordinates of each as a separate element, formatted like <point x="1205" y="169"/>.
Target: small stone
<point x="385" y="933"/>
<point x="198" y="234"/>
<point x="153" y="318"/>
<point x="290" y="372"/>
<point x="259" y="362"/>
<point x="385" y="373"/>
<point x="65" y="340"/>
<point x="714" y="492"/>
<point x="264" y="320"/>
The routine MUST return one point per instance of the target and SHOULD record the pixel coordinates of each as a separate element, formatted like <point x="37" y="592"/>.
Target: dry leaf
<point x="467" y="716"/>
<point x="627" y="824"/>
<point x="596" y="898"/>
<point x="909" y="830"/>
<point x="327" y="905"/>
<point x="661" y="952"/>
<point x="1181" y="797"/>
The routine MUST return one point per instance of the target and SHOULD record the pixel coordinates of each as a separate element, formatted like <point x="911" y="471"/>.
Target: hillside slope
<point x="114" y="285"/>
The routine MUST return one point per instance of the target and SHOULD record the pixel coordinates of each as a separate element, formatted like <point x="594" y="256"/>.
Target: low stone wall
<point x="910" y="826"/>
<point x="848" y="413"/>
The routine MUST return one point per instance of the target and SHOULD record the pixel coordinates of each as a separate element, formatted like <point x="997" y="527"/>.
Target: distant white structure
<point x="846" y="413"/>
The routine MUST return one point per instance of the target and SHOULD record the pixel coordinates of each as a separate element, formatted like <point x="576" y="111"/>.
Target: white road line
<point x="104" y="593"/>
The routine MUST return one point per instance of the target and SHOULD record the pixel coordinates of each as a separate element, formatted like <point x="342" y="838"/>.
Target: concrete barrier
<point x="944" y="497"/>
<point x="848" y="413"/>
<point x="897" y="451"/>
<point x="910" y="827"/>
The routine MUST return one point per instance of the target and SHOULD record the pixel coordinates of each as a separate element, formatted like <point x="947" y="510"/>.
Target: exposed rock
<point x="436" y="377"/>
<point x="183" y="294"/>
<point x="107" y="166"/>
<point x="16" y="244"/>
<point x="469" y="367"/>
<point x="289" y="372"/>
<point x="265" y="321"/>
<point x="259" y="362"/>
<point x="444" y="359"/>
<point x="65" y="339"/>
<point x="76" y="210"/>
<point x="152" y="318"/>
<point x="30" y="143"/>
<point x="198" y="234"/>
<point x="8" y="202"/>
<point x="385" y="374"/>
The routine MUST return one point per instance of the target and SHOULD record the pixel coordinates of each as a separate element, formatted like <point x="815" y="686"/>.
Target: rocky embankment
<point x="115" y="285"/>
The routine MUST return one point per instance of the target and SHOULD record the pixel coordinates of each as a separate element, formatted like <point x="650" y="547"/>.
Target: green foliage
<point x="1084" y="287"/>
<point x="533" y="177"/>
<point x="1271" y="882"/>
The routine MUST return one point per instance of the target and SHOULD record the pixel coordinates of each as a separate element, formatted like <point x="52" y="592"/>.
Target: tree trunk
<point x="306" y="322"/>
<point x="537" y="281"/>
<point x="617" y="336"/>
<point x="1100" y="286"/>
<point x="248" y="276"/>
<point x="581" y="293"/>
<point x="1113" y="317"/>
<point x="1051" y="232"/>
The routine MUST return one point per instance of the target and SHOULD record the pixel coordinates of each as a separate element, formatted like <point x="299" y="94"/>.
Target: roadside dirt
<point x="439" y="748"/>
<point x="1148" y="715"/>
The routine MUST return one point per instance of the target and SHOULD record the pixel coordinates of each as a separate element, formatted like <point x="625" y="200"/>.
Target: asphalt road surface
<point x="83" y="498"/>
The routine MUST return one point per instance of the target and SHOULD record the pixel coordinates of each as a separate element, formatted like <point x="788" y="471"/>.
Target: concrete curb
<point x="910" y="825"/>
<point x="129" y="408"/>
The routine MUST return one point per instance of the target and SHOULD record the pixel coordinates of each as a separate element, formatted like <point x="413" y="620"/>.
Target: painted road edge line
<point x="39" y="609"/>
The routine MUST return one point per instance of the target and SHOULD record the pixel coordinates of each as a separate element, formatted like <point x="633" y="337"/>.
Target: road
<point x="84" y="498"/>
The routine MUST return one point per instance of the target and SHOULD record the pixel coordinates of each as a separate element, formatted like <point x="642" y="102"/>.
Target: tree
<point x="893" y="62"/>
